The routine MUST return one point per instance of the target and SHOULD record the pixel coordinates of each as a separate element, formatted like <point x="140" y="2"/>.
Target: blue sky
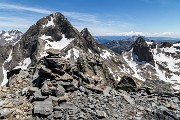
<point x="101" y="17"/>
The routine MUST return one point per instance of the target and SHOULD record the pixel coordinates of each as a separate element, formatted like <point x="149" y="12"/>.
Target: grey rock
<point x="2" y="102"/>
<point x="107" y="91"/>
<point x="38" y="96"/>
<point x="43" y="108"/>
<point x="48" y="90"/>
<point x="58" y="114"/>
<point x="60" y="91"/>
<point x="68" y="106"/>
<point x="32" y="90"/>
<point x="5" y="113"/>
<point x="101" y="114"/>
<point x="73" y="86"/>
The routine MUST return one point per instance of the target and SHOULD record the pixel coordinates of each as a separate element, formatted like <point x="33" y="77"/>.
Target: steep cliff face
<point x="141" y="51"/>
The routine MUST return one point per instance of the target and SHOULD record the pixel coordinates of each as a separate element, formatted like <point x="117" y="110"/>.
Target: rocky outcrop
<point x="127" y="83"/>
<point x="142" y="50"/>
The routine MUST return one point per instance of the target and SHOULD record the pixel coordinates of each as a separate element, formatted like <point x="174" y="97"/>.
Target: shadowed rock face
<point x="142" y="50"/>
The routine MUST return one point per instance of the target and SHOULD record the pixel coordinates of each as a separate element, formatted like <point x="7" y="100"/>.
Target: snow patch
<point x="44" y="37"/>
<point x="133" y="65"/>
<point x="9" y="57"/>
<point x="149" y="43"/>
<point x="50" y="23"/>
<point x="171" y="49"/>
<point x="6" y="34"/>
<point x="176" y="44"/>
<point x="56" y="44"/>
<point x="115" y="76"/>
<point x="24" y="65"/>
<point x="75" y="53"/>
<point x="106" y="54"/>
<point x="5" y="80"/>
<point x="89" y="51"/>
<point x="168" y="62"/>
<point x="43" y="54"/>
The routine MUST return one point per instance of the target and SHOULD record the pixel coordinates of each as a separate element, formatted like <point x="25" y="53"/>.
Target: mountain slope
<point x="154" y="61"/>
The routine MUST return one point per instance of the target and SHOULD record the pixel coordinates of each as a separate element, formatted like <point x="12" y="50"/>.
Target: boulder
<point x="127" y="83"/>
<point x="73" y="86"/>
<point x="47" y="89"/>
<point x="5" y="113"/>
<point x="65" y="77"/>
<point x="101" y="114"/>
<point x="32" y="90"/>
<point x="58" y="114"/>
<point x="38" y="96"/>
<point x="60" y="91"/>
<point x="53" y="52"/>
<point x="43" y="108"/>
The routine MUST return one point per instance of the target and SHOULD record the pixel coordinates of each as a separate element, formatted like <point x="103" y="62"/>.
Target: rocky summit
<point x="57" y="72"/>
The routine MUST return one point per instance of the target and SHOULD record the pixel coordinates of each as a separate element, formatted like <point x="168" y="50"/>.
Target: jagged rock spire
<point x="142" y="50"/>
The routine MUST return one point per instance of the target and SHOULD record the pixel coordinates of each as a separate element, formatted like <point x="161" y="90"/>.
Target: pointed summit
<point x="85" y="33"/>
<point x="140" y="40"/>
<point x="142" y="50"/>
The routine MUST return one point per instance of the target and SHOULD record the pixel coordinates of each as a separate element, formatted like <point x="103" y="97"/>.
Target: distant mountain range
<point x="105" y="39"/>
<point x="10" y="37"/>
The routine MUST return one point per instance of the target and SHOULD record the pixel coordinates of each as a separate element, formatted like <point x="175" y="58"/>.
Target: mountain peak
<point x="141" y="50"/>
<point x="140" y="39"/>
<point x="85" y="33"/>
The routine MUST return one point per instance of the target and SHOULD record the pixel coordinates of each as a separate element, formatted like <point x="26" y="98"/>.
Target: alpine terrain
<point x="56" y="72"/>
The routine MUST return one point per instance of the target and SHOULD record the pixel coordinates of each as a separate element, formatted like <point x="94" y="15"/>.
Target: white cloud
<point x="14" y="22"/>
<point x="131" y="33"/>
<point x="74" y="15"/>
<point x="19" y="7"/>
<point x="81" y="16"/>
